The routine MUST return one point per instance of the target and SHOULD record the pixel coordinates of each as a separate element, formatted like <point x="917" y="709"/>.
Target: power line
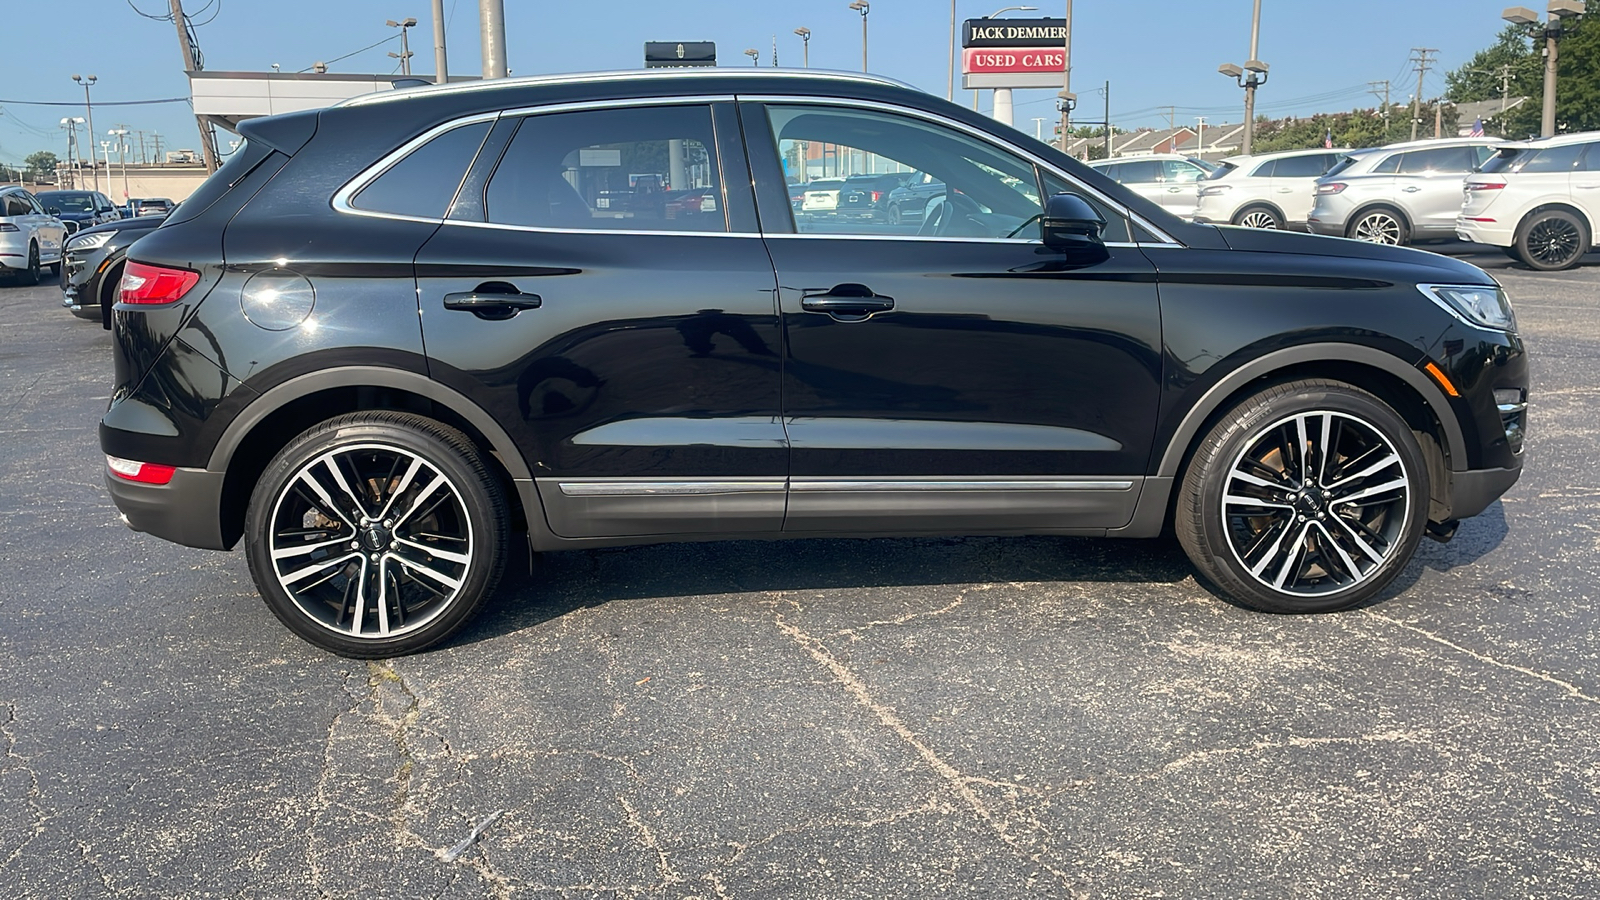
<point x="97" y="103"/>
<point x="354" y="52"/>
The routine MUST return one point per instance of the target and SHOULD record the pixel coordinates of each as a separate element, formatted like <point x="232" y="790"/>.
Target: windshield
<point x="68" y="202"/>
<point x="1222" y="171"/>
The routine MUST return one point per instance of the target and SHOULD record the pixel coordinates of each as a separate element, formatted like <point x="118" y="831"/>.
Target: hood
<point x="1438" y="268"/>
<point x="138" y="223"/>
<point x="66" y="216"/>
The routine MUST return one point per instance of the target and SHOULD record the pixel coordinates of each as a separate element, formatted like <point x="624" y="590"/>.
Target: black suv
<point x="389" y="335"/>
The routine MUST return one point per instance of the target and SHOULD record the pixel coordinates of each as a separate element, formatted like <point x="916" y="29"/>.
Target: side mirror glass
<point x="1071" y="225"/>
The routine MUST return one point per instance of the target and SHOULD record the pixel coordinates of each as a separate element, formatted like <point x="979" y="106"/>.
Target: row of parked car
<point x="1538" y="200"/>
<point x="35" y="229"/>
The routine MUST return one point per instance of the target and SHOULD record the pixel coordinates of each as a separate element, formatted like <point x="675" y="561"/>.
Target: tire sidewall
<point x="485" y="509"/>
<point x="1238" y="433"/>
<point x="30" y="275"/>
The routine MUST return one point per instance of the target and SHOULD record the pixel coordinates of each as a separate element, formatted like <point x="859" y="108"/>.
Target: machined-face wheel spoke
<point x="1316" y="503"/>
<point x="361" y="574"/>
<point x="1379" y="229"/>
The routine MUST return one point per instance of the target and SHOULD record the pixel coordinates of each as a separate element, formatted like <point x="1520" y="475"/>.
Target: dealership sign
<point x="1013" y="53"/>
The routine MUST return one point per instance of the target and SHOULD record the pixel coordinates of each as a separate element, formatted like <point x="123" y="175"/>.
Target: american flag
<point x="1477" y="129"/>
<point x="1327" y="140"/>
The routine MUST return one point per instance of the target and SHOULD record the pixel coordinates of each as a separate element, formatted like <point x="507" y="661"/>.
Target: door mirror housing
<point x="1071" y="225"/>
<point x="53" y="210"/>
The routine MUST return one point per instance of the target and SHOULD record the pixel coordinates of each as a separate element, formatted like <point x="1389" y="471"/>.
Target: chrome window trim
<point x="615" y="75"/>
<point x="342" y="198"/>
<point x="969" y="130"/>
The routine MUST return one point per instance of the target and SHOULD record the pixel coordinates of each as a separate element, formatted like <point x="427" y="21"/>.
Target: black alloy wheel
<point x="376" y="534"/>
<point x="1258" y="217"/>
<point x="1552" y="240"/>
<point x="1310" y="496"/>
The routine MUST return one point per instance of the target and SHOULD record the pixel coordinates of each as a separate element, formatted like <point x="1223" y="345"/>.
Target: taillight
<point x="876" y="195"/>
<point x="1331" y="188"/>
<point x="7" y="226"/>
<point x="146" y="284"/>
<point x="1486" y="185"/>
<point x="142" y="472"/>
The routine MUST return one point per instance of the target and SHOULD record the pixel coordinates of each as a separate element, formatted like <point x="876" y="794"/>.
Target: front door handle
<point x="493" y="300"/>
<point x="848" y="301"/>
<point x="1411" y="190"/>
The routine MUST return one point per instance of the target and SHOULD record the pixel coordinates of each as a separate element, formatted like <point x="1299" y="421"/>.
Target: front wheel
<point x="1310" y="496"/>
<point x="1552" y="240"/>
<point x="30" y="275"/>
<point x="376" y="534"/>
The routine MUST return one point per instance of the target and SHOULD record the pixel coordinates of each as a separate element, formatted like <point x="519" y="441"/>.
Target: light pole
<point x="1252" y="76"/>
<point x="89" y="110"/>
<point x="492" y="29"/>
<point x="1066" y="99"/>
<point x="441" y="61"/>
<point x="863" y="7"/>
<point x="1002" y="96"/>
<point x="1552" y="29"/>
<point x="405" y="25"/>
<point x="122" y="159"/>
<point x="71" y="124"/>
<point x="755" y="56"/>
<point x="805" y="45"/>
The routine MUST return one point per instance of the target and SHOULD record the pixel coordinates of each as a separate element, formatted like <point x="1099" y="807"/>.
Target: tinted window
<point x="70" y="201"/>
<point x="995" y="193"/>
<point x="1116" y="230"/>
<point x="1180" y="172"/>
<point x="1503" y="161"/>
<point x="1438" y="160"/>
<point x="1343" y="164"/>
<point x="1222" y="171"/>
<point x="1591" y="161"/>
<point x="1265" y="170"/>
<point x="650" y="169"/>
<point x="1554" y="159"/>
<point x="1301" y="166"/>
<point x="1389" y="166"/>
<point x="423" y="183"/>
<point x="1144" y="171"/>
<point x="16" y="206"/>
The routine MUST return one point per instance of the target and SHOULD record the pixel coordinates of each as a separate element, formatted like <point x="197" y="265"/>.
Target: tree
<point x="41" y="163"/>
<point x="1577" y="81"/>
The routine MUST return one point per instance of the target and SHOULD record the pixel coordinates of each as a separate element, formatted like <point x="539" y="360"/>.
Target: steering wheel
<point x="941" y="214"/>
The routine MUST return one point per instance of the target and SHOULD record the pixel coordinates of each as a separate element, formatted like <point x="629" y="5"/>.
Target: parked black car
<point x="907" y="202"/>
<point x="868" y="195"/>
<point x="390" y="334"/>
<point x="79" y="209"/>
<point x="94" y="261"/>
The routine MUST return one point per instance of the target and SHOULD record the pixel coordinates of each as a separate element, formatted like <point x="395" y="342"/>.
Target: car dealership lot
<point x="971" y="717"/>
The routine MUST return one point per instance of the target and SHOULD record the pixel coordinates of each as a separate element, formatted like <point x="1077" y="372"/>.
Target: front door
<point x="600" y="288"/>
<point x="951" y="374"/>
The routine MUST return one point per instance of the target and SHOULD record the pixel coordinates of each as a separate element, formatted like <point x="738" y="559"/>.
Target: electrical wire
<point x="386" y="40"/>
<point x="96" y="103"/>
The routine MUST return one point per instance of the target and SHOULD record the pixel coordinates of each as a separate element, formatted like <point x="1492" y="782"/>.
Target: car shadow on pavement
<point x="566" y="581"/>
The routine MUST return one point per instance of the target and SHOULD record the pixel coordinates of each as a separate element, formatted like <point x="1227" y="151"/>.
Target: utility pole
<point x="207" y="151"/>
<point x="156" y="137"/>
<point x="1108" y="119"/>
<point x="1066" y="99"/>
<point x="121" y="132"/>
<point x="1038" y="128"/>
<point x="1423" y="63"/>
<point x="1438" y="119"/>
<point x="1172" y="116"/>
<point x="1202" y="135"/>
<point x="441" y="65"/>
<point x="1372" y="88"/>
<point x="492" y="28"/>
<point x="950" y="89"/>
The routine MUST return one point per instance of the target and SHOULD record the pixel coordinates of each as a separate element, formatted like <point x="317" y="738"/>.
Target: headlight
<point x="1485" y="307"/>
<point x="90" y="241"/>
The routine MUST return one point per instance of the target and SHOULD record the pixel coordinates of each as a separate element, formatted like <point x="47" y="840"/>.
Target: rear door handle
<point x="493" y="300"/>
<point x="854" y="301"/>
<point x="1411" y="190"/>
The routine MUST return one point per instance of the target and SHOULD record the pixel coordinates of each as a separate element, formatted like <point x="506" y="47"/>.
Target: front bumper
<point x="1472" y="491"/>
<point x="82" y="281"/>
<point x="185" y="510"/>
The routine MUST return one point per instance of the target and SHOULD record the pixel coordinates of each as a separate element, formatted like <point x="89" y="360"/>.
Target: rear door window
<point x="1301" y="167"/>
<point x="1554" y="159"/>
<point x="423" y="183"/>
<point x="1144" y="171"/>
<point x="1438" y="161"/>
<point x="1265" y="170"/>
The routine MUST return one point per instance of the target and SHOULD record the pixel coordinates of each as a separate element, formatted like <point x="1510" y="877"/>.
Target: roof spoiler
<point x="285" y="133"/>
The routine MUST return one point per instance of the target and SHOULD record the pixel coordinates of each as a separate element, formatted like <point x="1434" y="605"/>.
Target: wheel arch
<point x="1265" y="204"/>
<point x="278" y="415"/>
<point x="1387" y="206"/>
<point x="1404" y="388"/>
<point x="1565" y="206"/>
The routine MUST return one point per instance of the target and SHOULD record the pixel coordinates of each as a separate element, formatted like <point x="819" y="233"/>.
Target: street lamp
<point x="805" y="44"/>
<point x="89" y="110"/>
<point x="405" y="43"/>
<point x="1552" y="31"/>
<point x="863" y="7"/>
<point x="755" y="56"/>
<point x="122" y="158"/>
<point x="1252" y="76"/>
<point x="71" y="124"/>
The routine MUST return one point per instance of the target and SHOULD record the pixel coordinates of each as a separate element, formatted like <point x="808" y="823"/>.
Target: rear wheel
<point x="1310" y="496"/>
<point x="1380" y="226"/>
<point x="110" y="289"/>
<point x="1258" y="217"/>
<point x="1551" y="240"/>
<point x="895" y="215"/>
<point x="30" y="275"/>
<point x="376" y="534"/>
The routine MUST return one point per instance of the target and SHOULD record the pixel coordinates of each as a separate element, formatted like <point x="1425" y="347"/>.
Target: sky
<point x="1154" y="53"/>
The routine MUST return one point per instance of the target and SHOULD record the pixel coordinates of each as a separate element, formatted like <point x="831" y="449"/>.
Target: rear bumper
<point x="1330" y="229"/>
<point x="1472" y="491"/>
<point x="1494" y="234"/>
<point x="185" y="510"/>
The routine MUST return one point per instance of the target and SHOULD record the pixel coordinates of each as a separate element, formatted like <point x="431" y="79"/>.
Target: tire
<point x="895" y="217"/>
<point x="30" y="275"/>
<point x="55" y="269"/>
<point x="415" y="509"/>
<point x="1552" y="240"/>
<point x="1245" y="490"/>
<point x="109" y="291"/>
<point x="1258" y="217"/>
<point x="1380" y="225"/>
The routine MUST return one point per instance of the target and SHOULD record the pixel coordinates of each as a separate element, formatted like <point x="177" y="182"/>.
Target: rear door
<point x="1294" y="184"/>
<point x="632" y="351"/>
<point x="1429" y="186"/>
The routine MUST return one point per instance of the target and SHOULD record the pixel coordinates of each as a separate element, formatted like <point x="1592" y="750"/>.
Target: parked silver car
<point x="1168" y="179"/>
<point x="29" y="237"/>
<point x="1397" y="194"/>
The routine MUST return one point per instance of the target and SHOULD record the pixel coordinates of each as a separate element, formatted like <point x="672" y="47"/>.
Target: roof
<point x="1560" y="140"/>
<point x="684" y="74"/>
<point x="1279" y="154"/>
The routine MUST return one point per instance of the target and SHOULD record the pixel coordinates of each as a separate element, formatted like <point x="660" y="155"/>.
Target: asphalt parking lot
<point x="893" y="718"/>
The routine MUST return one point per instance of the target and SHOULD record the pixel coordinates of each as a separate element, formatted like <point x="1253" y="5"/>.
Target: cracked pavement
<point x="969" y="718"/>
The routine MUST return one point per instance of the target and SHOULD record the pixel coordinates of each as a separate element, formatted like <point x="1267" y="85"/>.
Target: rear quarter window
<point x="239" y="164"/>
<point x="424" y="181"/>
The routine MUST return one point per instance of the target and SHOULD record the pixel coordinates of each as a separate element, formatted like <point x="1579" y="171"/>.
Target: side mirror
<point x="1071" y="225"/>
<point x="53" y="210"/>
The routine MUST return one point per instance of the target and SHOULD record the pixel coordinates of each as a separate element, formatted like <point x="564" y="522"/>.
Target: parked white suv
<point x="1168" y="179"/>
<point x="1272" y="190"/>
<point x="29" y="237"/>
<point x="1537" y="200"/>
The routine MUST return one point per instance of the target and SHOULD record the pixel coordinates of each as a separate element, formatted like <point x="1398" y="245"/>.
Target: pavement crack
<point x="14" y="761"/>
<point x="855" y="633"/>
<point x="957" y="783"/>
<point x="1382" y="737"/>
<point x="1571" y="689"/>
<point x="323" y="802"/>
<point x="664" y="870"/>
